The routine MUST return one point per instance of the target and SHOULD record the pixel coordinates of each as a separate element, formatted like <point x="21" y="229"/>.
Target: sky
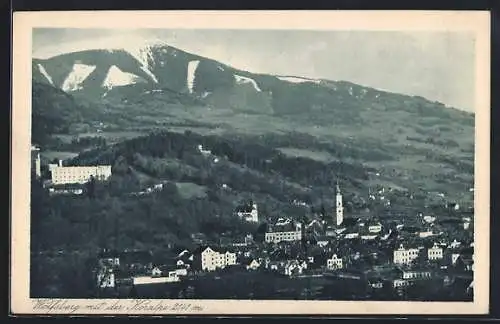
<point x="436" y="65"/>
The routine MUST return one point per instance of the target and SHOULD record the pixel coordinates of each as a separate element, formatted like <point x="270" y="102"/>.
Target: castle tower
<point x="35" y="156"/>
<point x="339" y="208"/>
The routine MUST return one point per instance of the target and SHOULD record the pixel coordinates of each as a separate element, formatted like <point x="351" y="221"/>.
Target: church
<point x="339" y="212"/>
<point x="339" y="223"/>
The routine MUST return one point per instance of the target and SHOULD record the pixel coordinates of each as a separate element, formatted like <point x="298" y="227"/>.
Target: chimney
<point x="60" y="163"/>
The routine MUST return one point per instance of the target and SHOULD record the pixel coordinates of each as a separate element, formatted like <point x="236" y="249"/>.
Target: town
<point x="325" y="255"/>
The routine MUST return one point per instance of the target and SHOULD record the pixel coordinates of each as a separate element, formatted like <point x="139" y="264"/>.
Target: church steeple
<point x="339" y="207"/>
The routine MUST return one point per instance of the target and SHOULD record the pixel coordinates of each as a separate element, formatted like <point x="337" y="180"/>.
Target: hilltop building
<point x="248" y="212"/>
<point x="203" y="151"/>
<point x="78" y="174"/>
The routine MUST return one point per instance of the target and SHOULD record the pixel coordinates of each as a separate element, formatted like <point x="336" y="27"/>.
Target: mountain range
<point x="408" y="139"/>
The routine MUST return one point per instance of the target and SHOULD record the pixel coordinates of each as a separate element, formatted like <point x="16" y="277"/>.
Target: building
<point x="248" y="212"/>
<point x="375" y="227"/>
<point x="106" y="278"/>
<point x="412" y="274"/>
<point x="203" y="151"/>
<point x="172" y="271"/>
<point x="454" y="257"/>
<point x="405" y="256"/>
<point x="73" y="189"/>
<point x="369" y="237"/>
<point x="466" y="222"/>
<point x="36" y="165"/>
<point x="435" y="252"/>
<point x="294" y="267"/>
<point x="429" y="219"/>
<point x="339" y="210"/>
<point x="334" y="263"/>
<point x="351" y="235"/>
<point x="213" y="259"/>
<point x="455" y="244"/>
<point x="330" y="232"/>
<point x="425" y="234"/>
<point x="253" y="264"/>
<point x="109" y="259"/>
<point x="78" y="174"/>
<point x="148" y="280"/>
<point x="323" y="242"/>
<point x="284" y="230"/>
<point x="398" y="283"/>
<point x="54" y="165"/>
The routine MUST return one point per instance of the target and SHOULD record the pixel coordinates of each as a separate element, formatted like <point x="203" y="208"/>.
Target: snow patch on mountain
<point x="117" y="77"/>
<point x="192" y="66"/>
<point x="143" y="53"/>
<point x="75" y="78"/>
<point x="241" y="79"/>
<point x="150" y="74"/>
<point x="44" y="73"/>
<point x="297" y="79"/>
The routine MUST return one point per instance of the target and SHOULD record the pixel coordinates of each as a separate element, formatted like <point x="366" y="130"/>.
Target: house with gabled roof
<point x="252" y="264"/>
<point x="334" y="262"/>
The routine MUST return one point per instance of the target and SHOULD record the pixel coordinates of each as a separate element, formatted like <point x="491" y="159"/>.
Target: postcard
<point x="250" y="162"/>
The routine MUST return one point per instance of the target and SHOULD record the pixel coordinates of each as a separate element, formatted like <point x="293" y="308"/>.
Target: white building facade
<point x="288" y="236"/>
<point x="415" y="274"/>
<point x="375" y="228"/>
<point x="79" y="174"/>
<point x="405" y="256"/>
<point x="334" y="263"/>
<point x="212" y="260"/>
<point x="435" y="252"/>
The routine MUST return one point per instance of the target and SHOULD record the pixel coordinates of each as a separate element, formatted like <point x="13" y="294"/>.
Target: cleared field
<point x="190" y="190"/>
<point x="198" y="130"/>
<point x="314" y="155"/>
<point x="50" y="155"/>
<point x="109" y="136"/>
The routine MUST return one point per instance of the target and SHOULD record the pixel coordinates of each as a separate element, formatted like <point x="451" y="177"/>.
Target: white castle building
<point x="78" y="174"/>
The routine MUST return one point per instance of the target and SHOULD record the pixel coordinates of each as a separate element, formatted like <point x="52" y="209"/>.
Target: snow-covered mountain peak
<point x="143" y="50"/>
